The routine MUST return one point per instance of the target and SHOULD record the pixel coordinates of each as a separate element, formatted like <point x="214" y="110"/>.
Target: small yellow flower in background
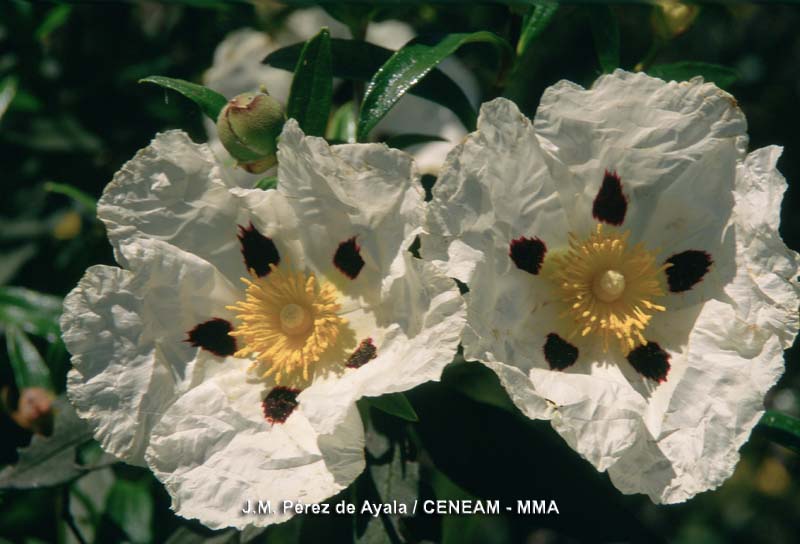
<point x="68" y="226"/>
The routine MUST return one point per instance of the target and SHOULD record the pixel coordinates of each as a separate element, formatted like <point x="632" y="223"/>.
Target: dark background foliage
<point x="78" y="114"/>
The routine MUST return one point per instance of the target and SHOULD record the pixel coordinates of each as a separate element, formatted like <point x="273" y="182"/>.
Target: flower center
<point x="609" y="288"/>
<point x="287" y="322"/>
<point x="609" y="285"/>
<point x="294" y="319"/>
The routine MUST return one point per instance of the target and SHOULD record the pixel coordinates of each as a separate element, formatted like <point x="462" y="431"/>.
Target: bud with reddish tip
<point x="248" y="127"/>
<point x="35" y="411"/>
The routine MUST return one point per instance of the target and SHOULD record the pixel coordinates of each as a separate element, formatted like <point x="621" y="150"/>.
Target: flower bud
<point x="248" y="127"/>
<point x="35" y="411"/>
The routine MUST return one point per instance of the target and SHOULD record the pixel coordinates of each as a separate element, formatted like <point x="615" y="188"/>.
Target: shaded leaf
<point x="457" y="529"/>
<point x="33" y="312"/>
<point x="683" y="71"/>
<point x="342" y="127"/>
<point x="211" y="102"/>
<point x="88" y="202"/>
<point x="130" y="507"/>
<point x="312" y="87"/>
<point x="185" y="535"/>
<point x="54" y="19"/>
<point x="477" y="382"/>
<point x="11" y="261"/>
<point x="358" y="61"/>
<point x="50" y="460"/>
<point x="782" y="429"/>
<point x="268" y="182"/>
<point x="395" y="404"/>
<point x="8" y="90"/>
<point x="534" y="23"/>
<point x="410" y="64"/>
<point x="27" y="363"/>
<point x="402" y="141"/>
<point x="605" y="33"/>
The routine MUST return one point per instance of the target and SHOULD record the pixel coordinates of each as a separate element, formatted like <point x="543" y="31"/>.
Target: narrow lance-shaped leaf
<point x="535" y="21"/>
<point x="211" y="102"/>
<point x="605" y="32"/>
<point x="312" y="87"/>
<point x="410" y="64"/>
<point x="683" y="71"/>
<point x="358" y="61"/>
<point x="130" y="507"/>
<point x="33" y="312"/>
<point x="782" y="429"/>
<point x="26" y="361"/>
<point x="395" y="404"/>
<point x="342" y="127"/>
<point x="85" y="200"/>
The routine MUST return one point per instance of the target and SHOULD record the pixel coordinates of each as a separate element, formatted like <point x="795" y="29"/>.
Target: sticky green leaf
<point x="342" y="127"/>
<point x="268" y="182"/>
<point x="130" y="507"/>
<point x="605" y="33"/>
<point x="33" y="312"/>
<point x="477" y="382"/>
<point x="534" y="23"/>
<point x="50" y="460"/>
<point x="782" y="429"/>
<point x="27" y="363"/>
<point x="312" y="87"/>
<point x="410" y="64"/>
<point x="683" y="71"/>
<point x="395" y="404"/>
<point x="402" y="141"/>
<point x="358" y="61"/>
<point x="211" y="102"/>
<point x="88" y="202"/>
<point x="8" y="89"/>
<point x="54" y="19"/>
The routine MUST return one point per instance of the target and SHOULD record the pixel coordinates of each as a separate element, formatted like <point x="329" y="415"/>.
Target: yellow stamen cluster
<point x="608" y="287"/>
<point x="287" y="322"/>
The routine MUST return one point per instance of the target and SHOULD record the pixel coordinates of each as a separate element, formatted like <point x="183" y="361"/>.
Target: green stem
<point x="652" y="54"/>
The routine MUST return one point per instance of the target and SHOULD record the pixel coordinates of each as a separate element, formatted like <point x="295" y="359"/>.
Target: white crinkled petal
<point x="213" y="451"/>
<point x="126" y="333"/>
<point x="766" y="290"/>
<point x="420" y="318"/>
<point x="495" y="188"/>
<point x="664" y="140"/>
<point x="366" y="191"/>
<point x="679" y="149"/>
<point x="172" y="191"/>
<point x="716" y="402"/>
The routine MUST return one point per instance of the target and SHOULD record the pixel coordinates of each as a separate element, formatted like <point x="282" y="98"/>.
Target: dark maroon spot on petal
<point x="363" y="354"/>
<point x="610" y="203"/>
<point x="687" y="269"/>
<point x="212" y="335"/>
<point x="258" y="251"/>
<point x="559" y="353"/>
<point x="280" y="403"/>
<point x="650" y="361"/>
<point x="527" y="253"/>
<point x="348" y="259"/>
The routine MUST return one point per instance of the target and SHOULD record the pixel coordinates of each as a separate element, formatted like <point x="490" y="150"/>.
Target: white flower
<point x="238" y="68"/>
<point x="626" y="276"/>
<point x="334" y="307"/>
